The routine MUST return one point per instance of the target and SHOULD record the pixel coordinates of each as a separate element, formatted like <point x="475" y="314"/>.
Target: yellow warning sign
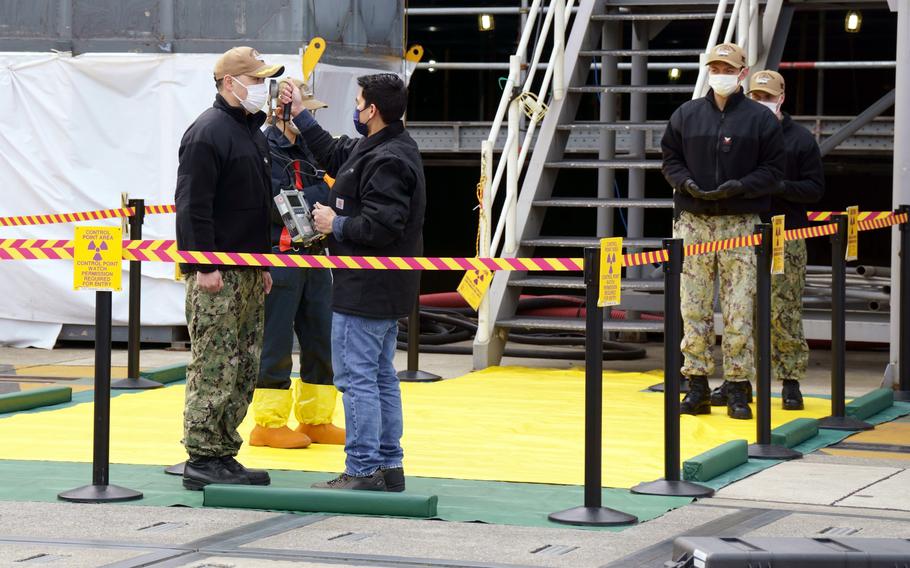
<point x="610" y="271"/>
<point x="777" y="244"/>
<point x="474" y="286"/>
<point x="97" y="258"/>
<point x="852" y="232"/>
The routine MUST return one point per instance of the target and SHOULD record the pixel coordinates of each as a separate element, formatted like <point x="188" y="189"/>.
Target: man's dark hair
<point x="218" y="83"/>
<point x="388" y="92"/>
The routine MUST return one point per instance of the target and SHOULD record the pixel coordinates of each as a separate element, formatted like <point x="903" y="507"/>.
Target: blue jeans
<point x="362" y="353"/>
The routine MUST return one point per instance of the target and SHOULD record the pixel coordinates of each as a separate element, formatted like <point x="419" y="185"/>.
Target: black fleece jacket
<point x="223" y="185"/>
<point x="380" y="189"/>
<point x="804" y="179"/>
<point x="710" y="146"/>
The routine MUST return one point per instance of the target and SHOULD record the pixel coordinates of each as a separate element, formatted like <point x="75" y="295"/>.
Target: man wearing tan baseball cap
<point x="803" y="183"/>
<point x="223" y="198"/>
<point x="722" y="154"/>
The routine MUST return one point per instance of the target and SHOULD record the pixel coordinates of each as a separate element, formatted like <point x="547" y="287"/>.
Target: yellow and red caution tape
<point x="166" y="251"/>
<point x="23" y="220"/>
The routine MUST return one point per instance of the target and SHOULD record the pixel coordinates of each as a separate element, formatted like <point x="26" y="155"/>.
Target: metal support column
<point x="611" y="38"/>
<point x="638" y="112"/>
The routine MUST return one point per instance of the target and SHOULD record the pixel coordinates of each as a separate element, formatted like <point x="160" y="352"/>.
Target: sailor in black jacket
<point x="223" y="203"/>
<point x="376" y="208"/>
<point x="803" y="183"/>
<point x="723" y="154"/>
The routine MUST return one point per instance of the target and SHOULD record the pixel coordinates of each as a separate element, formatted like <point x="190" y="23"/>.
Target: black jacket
<point x="804" y="179"/>
<point x="223" y="184"/>
<point x="380" y="188"/>
<point x="743" y="142"/>
<point x="283" y="156"/>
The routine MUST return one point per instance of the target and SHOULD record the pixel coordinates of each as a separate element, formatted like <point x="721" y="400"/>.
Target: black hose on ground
<point x="440" y="328"/>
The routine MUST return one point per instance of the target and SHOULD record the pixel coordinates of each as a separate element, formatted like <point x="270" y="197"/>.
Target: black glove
<point x="690" y="187"/>
<point x="726" y="190"/>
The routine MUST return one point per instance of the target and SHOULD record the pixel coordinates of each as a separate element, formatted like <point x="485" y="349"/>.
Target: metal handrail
<point x="512" y="157"/>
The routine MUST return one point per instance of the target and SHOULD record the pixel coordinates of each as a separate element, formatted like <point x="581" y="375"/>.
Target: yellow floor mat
<point x="505" y="424"/>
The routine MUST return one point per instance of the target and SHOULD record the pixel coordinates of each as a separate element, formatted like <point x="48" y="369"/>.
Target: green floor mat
<point x="522" y="504"/>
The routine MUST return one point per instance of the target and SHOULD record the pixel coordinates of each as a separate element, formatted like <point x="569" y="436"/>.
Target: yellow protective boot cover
<point x="271" y="407"/>
<point x="314" y="404"/>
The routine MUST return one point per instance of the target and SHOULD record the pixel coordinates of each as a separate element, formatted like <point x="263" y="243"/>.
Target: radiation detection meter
<point x="297" y="217"/>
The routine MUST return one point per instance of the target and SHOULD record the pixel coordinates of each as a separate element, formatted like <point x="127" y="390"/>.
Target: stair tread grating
<point x="578" y="324"/>
<point x="612" y="202"/>
<point x="578" y="283"/>
<point x="581" y="242"/>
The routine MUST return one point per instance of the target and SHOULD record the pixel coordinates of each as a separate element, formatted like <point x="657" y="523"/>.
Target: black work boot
<point x="256" y="476"/>
<point x="697" y="400"/>
<point x="719" y="395"/>
<point x="201" y="471"/>
<point x="374" y="482"/>
<point x="394" y="479"/>
<point x="791" y="396"/>
<point x="738" y="400"/>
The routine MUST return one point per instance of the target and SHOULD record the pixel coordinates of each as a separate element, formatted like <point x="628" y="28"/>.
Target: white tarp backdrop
<point x="75" y="133"/>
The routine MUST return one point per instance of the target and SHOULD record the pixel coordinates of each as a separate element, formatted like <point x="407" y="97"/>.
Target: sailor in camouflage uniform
<point x="803" y="183"/>
<point x="722" y="154"/>
<point x="223" y="199"/>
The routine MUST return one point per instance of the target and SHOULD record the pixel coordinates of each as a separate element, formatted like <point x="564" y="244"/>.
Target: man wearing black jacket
<point x="724" y="155"/>
<point x="803" y="183"/>
<point x="376" y="208"/>
<point x="223" y="204"/>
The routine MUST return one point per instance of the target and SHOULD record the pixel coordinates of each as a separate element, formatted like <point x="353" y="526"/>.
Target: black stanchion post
<point x="133" y="380"/>
<point x="903" y="354"/>
<point x="764" y="449"/>
<point x="413" y="374"/>
<point x="838" y="419"/>
<point x="592" y="513"/>
<point x="671" y="483"/>
<point x="100" y="491"/>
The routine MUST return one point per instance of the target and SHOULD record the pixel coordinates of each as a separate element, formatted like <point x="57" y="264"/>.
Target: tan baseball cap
<point x="769" y="82"/>
<point x="310" y="102"/>
<point x="244" y="61"/>
<point x="728" y="53"/>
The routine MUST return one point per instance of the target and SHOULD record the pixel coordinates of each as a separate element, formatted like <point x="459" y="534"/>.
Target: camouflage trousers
<point x="736" y="271"/>
<point x="789" y="350"/>
<point x="226" y="334"/>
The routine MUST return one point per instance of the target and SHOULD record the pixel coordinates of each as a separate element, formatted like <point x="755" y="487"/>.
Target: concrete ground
<point x="859" y="491"/>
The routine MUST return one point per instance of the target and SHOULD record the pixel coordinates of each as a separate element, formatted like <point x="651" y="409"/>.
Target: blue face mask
<point x="360" y="127"/>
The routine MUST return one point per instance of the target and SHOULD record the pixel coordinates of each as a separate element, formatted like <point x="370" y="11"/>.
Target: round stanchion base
<point x="677" y="488"/>
<point x="176" y="469"/>
<point x="844" y="423"/>
<point x="683" y="387"/>
<point x="902" y="396"/>
<point x="593" y="517"/>
<point x="99" y="494"/>
<point x="417" y="377"/>
<point x="138" y="383"/>
<point x="772" y="452"/>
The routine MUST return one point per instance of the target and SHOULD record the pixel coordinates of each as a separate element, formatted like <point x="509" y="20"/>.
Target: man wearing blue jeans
<point x="376" y="208"/>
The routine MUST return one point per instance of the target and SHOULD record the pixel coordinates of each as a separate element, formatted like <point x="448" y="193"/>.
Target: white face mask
<point x="772" y="106"/>
<point x="723" y="85"/>
<point x="256" y="96"/>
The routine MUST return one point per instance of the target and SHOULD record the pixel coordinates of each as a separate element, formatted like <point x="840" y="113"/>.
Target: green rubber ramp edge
<point x="165" y="375"/>
<point x="34" y="398"/>
<point x="320" y="500"/>
<point x="794" y="432"/>
<point x="870" y="404"/>
<point x="716" y="461"/>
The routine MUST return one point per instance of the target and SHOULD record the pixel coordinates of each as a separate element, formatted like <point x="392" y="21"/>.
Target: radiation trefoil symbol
<point x="97" y="248"/>
<point x="611" y="259"/>
<point x="479" y="278"/>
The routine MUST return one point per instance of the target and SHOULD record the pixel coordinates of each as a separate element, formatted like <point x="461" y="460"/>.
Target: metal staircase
<point x="596" y="38"/>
